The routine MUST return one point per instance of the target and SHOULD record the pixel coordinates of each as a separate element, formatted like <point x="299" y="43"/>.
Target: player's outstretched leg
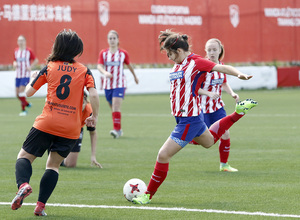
<point x="24" y="191"/>
<point x="219" y="127"/>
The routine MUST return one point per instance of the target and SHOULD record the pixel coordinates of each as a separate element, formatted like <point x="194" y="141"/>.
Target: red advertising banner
<point x="251" y="31"/>
<point x="288" y="77"/>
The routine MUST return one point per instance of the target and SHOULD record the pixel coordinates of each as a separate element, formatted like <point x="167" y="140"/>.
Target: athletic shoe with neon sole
<point x="227" y="168"/>
<point x="24" y="191"/>
<point x="29" y="105"/>
<point x="40" y="209"/>
<point x="244" y="106"/>
<point x="142" y="199"/>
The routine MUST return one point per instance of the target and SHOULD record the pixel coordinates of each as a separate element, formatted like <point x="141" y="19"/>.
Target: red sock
<point x="219" y="127"/>
<point x="24" y="102"/>
<point x="116" y="116"/>
<point x="193" y="142"/>
<point x="224" y="149"/>
<point x="158" y="176"/>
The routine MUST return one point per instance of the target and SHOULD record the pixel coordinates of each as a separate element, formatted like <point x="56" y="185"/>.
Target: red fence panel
<point x="288" y="76"/>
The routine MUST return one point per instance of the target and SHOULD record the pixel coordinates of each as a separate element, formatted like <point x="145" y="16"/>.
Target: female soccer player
<point x="23" y="63"/>
<point x="111" y="64"/>
<point x="210" y="98"/>
<point x="71" y="160"/>
<point x="58" y="127"/>
<point x="186" y="78"/>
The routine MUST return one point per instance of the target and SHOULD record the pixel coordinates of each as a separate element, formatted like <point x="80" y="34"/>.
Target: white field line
<point x="163" y="209"/>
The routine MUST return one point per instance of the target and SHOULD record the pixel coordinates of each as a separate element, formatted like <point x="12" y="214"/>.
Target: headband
<point x="174" y="42"/>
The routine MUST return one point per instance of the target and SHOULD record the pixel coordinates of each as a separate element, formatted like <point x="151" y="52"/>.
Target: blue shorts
<point x="187" y="129"/>
<point x="22" y="81"/>
<point x="117" y="92"/>
<point x="210" y="118"/>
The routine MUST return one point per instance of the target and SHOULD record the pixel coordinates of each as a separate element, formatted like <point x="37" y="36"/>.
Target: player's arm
<point x="91" y="121"/>
<point x="15" y="64"/>
<point x="93" y="136"/>
<point x="101" y="69"/>
<point x="227" y="88"/>
<point x="133" y="73"/>
<point x="34" y="63"/>
<point x="230" y="70"/>
<point x="30" y="91"/>
<point x="209" y="94"/>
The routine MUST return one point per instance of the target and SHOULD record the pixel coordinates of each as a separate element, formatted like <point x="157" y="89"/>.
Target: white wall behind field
<point x="156" y="80"/>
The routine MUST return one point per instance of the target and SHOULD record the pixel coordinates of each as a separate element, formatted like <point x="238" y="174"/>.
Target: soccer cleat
<point x="244" y="106"/>
<point x="29" y="105"/>
<point x="227" y="168"/>
<point x="142" y="199"/>
<point x="23" y="113"/>
<point x="40" y="209"/>
<point x="24" y="191"/>
<point x="116" y="134"/>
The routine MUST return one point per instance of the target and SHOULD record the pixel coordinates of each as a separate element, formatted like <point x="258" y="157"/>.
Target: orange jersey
<point x="87" y="111"/>
<point x="62" y="112"/>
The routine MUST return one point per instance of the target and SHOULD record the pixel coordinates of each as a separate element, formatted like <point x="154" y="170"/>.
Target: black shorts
<point x="78" y="144"/>
<point x="37" y="142"/>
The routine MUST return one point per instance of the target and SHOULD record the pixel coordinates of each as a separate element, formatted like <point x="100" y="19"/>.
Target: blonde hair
<point x="222" y="54"/>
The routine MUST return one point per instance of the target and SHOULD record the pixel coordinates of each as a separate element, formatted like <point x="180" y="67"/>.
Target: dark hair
<point x="169" y="40"/>
<point x="67" y="45"/>
<point x="222" y="53"/>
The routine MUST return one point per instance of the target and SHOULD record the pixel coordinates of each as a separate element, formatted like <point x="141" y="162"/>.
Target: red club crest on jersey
<point x="103" y="12"/>
<point x="134" y="188"/>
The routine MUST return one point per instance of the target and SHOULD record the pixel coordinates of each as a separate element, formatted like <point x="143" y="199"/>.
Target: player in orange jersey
<point x="58" y="127"/>
<point x="71" y="160"/>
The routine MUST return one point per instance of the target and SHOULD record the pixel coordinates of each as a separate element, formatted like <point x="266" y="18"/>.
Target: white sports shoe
<point x="116" y="134"/>
<point x="23" y="113"/>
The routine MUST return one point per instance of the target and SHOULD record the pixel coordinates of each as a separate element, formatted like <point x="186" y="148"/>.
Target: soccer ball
<point x="133" y="188"/>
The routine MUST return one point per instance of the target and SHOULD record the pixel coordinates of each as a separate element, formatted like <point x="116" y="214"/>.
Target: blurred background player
<point x="185" y="78"/>
<point x="24" y="61"/>
<point x="111" y="64"/>
<point x="71" y="159"/>
<point x="210" y="98"/>
<point x="58" y="127"/>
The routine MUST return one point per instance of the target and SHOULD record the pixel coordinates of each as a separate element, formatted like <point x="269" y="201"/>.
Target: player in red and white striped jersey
<point x="210" y="98"/>
<point x="111" y="64"/>
<point x="186" y="78"/>
<point x="24" y="60"/>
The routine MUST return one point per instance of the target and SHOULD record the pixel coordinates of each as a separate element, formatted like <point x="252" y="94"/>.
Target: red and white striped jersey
<point x="186" y="79"/>
<point x="114" y="63"/>
<point x="212" y="82"/>
<point x="23" y="59"/>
